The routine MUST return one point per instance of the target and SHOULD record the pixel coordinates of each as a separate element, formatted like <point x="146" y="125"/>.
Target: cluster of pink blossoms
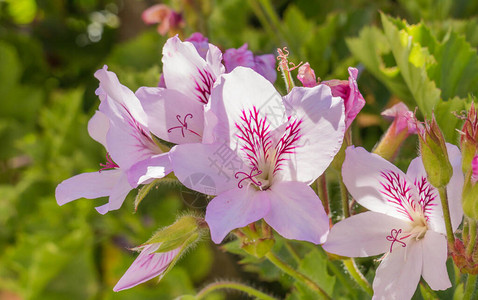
<point x="237" y="139"/>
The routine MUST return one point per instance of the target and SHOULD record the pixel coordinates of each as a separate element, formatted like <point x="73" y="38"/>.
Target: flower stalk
<point x="470" y="286"/>
<point x="472" y="237"/>
<point x="232" y="285"/>
<point x="344" y="195"/>
<point x="446" y="215"/>
<point x="354" y="271"/>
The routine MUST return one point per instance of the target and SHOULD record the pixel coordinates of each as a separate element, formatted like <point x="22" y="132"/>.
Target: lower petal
<point x="434" y="261"/>
<point x="87" y="185"/>
<point x="234" y="209"/>
<point x="297" y="212"/>
<point x="363" y="235"/>
<point x="207" y="168"/>
<point x="117" y="195"/>
<point x="398" y="275"/>
<point x="156" y="166"/>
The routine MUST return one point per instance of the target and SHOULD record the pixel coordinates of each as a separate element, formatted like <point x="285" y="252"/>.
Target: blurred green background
<point x="49" y="50"/>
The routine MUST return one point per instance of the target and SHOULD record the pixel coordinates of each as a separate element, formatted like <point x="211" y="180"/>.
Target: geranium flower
<point x="176" y="113"/>
<point x="405" y="222"/>
<point x="168" y="19"/>
<point x="267" y="151"/>
<point x="120" y="126"/>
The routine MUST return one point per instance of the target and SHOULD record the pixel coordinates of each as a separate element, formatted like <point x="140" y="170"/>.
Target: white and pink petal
<point x="435" y="254"/>
<point x="145" y="171"/>
<point x="172" y="116"/>
<point x="187" y="72"/>
<point x="296" y="212"/>
<point x="399" y="272"/>
<point x="366" y="234"/>
<point x="320" y="132"/>
<point x="87" y="185"/>
<point x="377" y="184"/>
<point x="234" y="209"/>
<point x="210" y="169"/>
<point x="243" y="97"/>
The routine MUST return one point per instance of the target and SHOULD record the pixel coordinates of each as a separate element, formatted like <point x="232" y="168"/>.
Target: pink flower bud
<point x="403" y="119"/>
<point x="348" y="90"/>
<point x="307" y="75"/>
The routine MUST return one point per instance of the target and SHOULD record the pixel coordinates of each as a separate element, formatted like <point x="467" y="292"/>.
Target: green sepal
<point x="181" y="230"/>
<point x="176" y="243"/>
<point x="258" y="248"/>
<point x="435" y="155"/>
<point x="470" y="198"/>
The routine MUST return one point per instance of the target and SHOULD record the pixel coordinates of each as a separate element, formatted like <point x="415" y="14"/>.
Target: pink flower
<point x="403" y="119"/>
<point x="348" y="90"/>
<point x="306" y="75"/>
<point x="405" y="222"/>
<point x="263" y="64"/>
<point x="266" y="152"/>
<point x="168" y="19"/>
<point x="147" y="266"/>
<point x="120" y="126"/>
<point x="176" y="113"/>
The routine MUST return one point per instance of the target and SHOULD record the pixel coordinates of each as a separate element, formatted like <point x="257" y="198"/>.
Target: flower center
<point x="265" y="156"/>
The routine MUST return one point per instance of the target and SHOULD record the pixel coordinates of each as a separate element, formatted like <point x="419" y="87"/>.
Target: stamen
<point x="184" y="125"/>
<point x="393" y="237"/>
<point x="283" y="61"/>
<point x="110" y="164"/>
<point x="249" y="176"/>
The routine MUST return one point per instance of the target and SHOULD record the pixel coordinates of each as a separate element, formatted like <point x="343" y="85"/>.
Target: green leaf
<point x="373" y="50"/>
<point x="456" y="70"/>
<point x="11" y="69"/>
<point x="447" y="121"/>
<point x="314" y="265"/>
<point x="412" y="60"/>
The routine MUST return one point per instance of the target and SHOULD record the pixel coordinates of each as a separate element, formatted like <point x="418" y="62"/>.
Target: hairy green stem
<point x="354" y="271"/>
<point x="446" y="215"/>
<point x="289" y="82"/>
<point x="344" y="195"/>
<point x="296" y="274"/>
<point x="292" y="251"/>
<point x="472" y="242"/>
<point x="323" y="194"/>
<point x="233" y="286"/>
<point x="470" y="287"/>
